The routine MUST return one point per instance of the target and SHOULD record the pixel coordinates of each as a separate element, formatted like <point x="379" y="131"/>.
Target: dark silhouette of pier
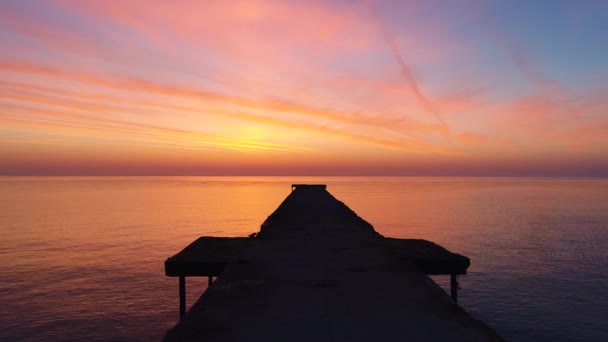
<point x="318" y="272"/>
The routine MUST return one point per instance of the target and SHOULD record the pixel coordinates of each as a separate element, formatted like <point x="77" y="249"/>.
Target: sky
<point x="371" y="88"/>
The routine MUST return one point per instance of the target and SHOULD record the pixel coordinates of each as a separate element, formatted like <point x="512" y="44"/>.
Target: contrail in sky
<point x="522" y="60"/>
<point x="406" y="71"/>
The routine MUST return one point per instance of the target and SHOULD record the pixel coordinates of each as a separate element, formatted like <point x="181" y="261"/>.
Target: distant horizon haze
<point x="308" y="168"/>
<point x="223" y="173"/>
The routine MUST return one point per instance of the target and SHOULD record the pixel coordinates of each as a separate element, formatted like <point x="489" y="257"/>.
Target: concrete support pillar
<point x="182" y="297"/>
<point x="454" y="287"/>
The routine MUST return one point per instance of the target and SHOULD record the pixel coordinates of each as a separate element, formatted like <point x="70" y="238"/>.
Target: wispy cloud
<point x="314" y="82"/>
<point x="215" y="105"/>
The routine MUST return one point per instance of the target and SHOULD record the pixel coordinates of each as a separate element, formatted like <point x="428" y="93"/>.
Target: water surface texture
<point x="82" y="258"/>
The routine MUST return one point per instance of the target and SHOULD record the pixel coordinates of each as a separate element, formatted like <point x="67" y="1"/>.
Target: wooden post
<point x="454" y="287"/>
<point x="182" y="297"/>
<point x="210" y="281"/>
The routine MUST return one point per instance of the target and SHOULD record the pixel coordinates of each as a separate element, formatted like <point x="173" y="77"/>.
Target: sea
<point x="81" y="258"/>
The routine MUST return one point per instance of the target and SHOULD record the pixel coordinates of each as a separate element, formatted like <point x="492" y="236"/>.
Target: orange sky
<point x="303" y="88"/>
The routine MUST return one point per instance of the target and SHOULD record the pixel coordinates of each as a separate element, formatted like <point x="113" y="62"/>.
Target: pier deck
<point x="318" y="272"/>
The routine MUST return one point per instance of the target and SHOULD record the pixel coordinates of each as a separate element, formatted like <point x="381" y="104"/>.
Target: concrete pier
<point x="318" y="272"/>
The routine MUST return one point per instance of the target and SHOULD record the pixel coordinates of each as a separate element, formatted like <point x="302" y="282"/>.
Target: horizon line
<point x="304" y="175"/>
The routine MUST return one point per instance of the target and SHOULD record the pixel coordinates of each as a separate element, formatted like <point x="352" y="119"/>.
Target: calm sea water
<point x="82" y="258"/>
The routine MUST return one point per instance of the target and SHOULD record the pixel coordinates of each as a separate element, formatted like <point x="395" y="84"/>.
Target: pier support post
<point x="182" y="297"/>
<point x="454" y="287"/>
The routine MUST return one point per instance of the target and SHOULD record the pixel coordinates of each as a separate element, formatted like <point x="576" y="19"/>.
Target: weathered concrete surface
<point x="428" y="257"/>
<point x="206" y="256"/>
<point x="318" y="272"/>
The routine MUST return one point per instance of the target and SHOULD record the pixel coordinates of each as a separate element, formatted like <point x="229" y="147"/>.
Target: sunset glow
<point x="303" y="87"/>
